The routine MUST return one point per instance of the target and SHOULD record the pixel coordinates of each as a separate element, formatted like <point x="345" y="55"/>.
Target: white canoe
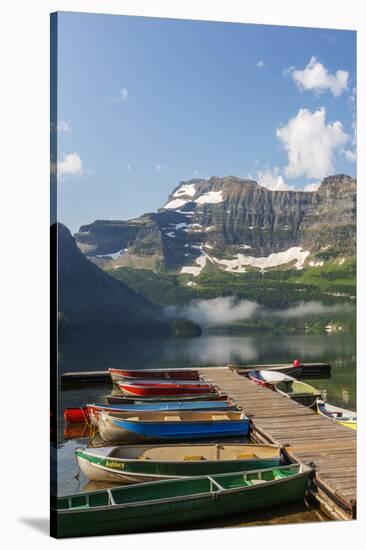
<point x="342" y="416"/>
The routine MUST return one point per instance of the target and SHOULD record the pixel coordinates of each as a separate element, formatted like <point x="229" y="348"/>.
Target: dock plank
<point x="307" y="437"/>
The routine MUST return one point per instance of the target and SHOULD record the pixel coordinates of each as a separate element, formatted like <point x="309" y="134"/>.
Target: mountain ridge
<point x="233" y="223"/>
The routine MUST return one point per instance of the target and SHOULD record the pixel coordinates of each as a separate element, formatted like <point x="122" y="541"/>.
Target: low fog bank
<point x="228" y="310"/>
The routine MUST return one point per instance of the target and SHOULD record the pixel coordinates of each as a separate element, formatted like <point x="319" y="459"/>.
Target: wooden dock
<point x="101" y="377"/>
<point x="306" y="436"/>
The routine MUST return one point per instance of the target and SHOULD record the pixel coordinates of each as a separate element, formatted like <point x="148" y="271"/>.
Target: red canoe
<point x="164" y="389"/>
<point x="181" y="374"/>
<point x="76" y="415"/>
<point x="82" y="415"/>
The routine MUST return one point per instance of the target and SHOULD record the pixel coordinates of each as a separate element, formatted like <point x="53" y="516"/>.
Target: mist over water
<point x="228" y="310"/>
<point x="218" y="311"/>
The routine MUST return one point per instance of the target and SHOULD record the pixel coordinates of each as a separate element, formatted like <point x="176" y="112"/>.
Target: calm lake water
<point x="99" y="352"/>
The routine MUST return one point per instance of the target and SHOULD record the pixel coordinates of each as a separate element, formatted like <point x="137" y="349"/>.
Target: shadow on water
<point x="39" y="524"/>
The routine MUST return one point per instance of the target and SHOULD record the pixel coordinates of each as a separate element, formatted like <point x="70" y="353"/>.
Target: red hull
<point x="76" y="415"/>
<point x="82" y="415"/>
<point x="158" y="374"/>
<point x="166" y="389"/>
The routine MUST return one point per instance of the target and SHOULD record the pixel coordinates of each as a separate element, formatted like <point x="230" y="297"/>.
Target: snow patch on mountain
<point x="193" y="270"/>
<point x="238" y="264"/>
<point x="175" y="203"/>
<point x="180" y="225"/>
<point x="113" y="255"/>
<point x="212" y="197"/>
<point x="188" y="190"/>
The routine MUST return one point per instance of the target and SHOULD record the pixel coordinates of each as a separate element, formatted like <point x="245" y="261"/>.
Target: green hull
<point x="154" y="506"/>
<point x="298" y="391"/>
<point x="135" y="469"/>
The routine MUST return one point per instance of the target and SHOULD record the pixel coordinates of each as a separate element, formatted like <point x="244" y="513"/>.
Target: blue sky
<point x="145" y="103"/>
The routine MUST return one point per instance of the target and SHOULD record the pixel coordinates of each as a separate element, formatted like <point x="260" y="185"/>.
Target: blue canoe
<point x="170" y="406"/>
<point x="171" y="425"/>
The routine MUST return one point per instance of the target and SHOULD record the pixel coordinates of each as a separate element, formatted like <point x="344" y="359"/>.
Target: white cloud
<point x="260" y="64"/>
<point x="350" y="155"/>
<point x="157" y="167"/>
<point x="272" y="179"/>
<point x="310" y="143"/>
<point x="352" y="98"/>
<point x="129" y="166"/>
<point x="316" y="77"/>
<point x="123" y="94"/>
<point x="310" y="187"/>
<point x="120" y="98"/>
<point x="70" y="165"/>
<point x="63" y="126"/>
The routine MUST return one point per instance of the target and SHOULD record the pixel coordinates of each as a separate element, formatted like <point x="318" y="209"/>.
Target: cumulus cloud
<point x="350" y="155"/>
<point x="260" y="64"/>
<point x="62" y="126"/>
<point x="215" y="312"/>
<point x="272" y="179"/>
<point x="71" y="164"/>
<point x="352" y="98"/>
<point x="120" y="98"/>
<point x="310" y="187"/>
<point x="310" y="143"/>
<point x="316" y="77"/>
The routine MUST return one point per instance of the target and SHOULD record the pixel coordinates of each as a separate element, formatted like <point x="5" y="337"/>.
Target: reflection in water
<point x="100" y="351"/>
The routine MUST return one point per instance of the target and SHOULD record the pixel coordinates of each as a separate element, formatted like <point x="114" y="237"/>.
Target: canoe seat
<point x="172" y="418"/>
<point x="194" y="457"/>
<point x="256" y="481"/>
<point x="220" y="417"/>
<point x="279" y="474"/>
<point x="245" y="456"/>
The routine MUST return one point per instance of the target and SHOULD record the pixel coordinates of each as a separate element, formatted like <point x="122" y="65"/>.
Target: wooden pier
<point x="102" y="377"/>
<point x="306" y="436"/>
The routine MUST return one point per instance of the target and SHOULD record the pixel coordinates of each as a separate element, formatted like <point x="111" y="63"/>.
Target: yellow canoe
<point x="341" y="416"/>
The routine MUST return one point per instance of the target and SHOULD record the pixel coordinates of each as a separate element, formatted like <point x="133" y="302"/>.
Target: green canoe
<point x="139" y="463"/>
<point x="161" y="504"/>
<point x="298" y="391"/>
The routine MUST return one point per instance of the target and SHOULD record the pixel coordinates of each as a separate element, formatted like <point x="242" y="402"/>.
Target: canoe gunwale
<point x="351" y="415"/>
<point x="173" y="462"/>
<point x="305" y="471"/>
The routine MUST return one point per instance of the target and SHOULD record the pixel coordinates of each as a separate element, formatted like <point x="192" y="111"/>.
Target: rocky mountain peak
<point x="339" y="184"/>
<point x="234" y="224"/>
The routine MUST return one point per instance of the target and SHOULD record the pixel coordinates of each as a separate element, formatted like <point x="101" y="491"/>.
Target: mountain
<point x="89" y="298"/>
<point x="234" y="226"/>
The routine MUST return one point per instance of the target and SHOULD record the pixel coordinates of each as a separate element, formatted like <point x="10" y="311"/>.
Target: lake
<point x="101" y="351"/>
